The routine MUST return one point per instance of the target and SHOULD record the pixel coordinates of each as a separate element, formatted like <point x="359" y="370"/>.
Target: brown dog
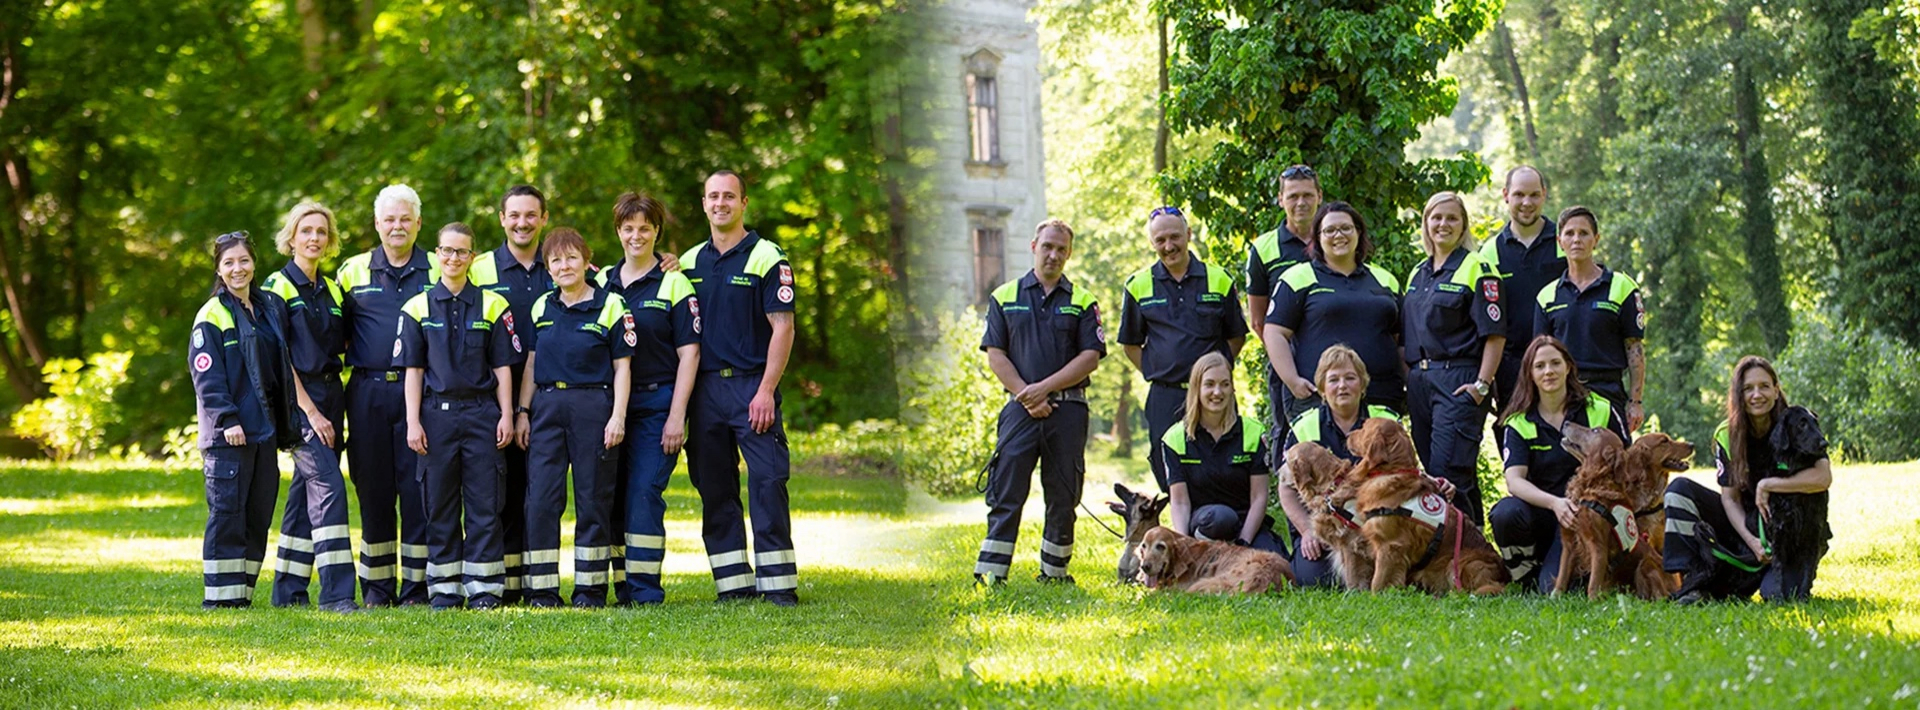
<point x="1659" y="456"/>
<point x="1327" y="490"/>
<point x="1417" y="538"/>
<point x="1169" y="559"/>
<point x="1605" y="540"/>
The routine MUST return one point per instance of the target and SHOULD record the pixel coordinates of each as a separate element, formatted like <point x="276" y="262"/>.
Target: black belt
<point x="386" y="375"/>
<point x="1180" y="385"/>
<point x="552" y="386"/>
<point x="651" y="387"/>
<point x="731" y="372"/>
<point x="1077" y="394"/>
<point x="459" y="397"/>
<point x="1448" y="363"/>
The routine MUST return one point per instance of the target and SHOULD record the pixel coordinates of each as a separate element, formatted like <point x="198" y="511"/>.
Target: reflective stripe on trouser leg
<point x="546" y="501"/>
<point x="1063" y="469"/>
<point x="1523" y="534"/>
<point x="241" y="485"/>
<point x="317" y="509"/>
<point x="713" y="462"/>
<point x="1009" y="480"/>
<point x="462" y="474"/>
<point x="379" y="459"/>
<point x="293" y="558"/>
<point x="646" y="468"/>
<point x="769" y="465"/>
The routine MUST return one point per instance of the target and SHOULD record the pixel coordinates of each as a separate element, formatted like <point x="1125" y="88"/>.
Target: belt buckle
<point x="559" y="385"/>
<point x="391" y="376"/>
<point x="726" y="372"/>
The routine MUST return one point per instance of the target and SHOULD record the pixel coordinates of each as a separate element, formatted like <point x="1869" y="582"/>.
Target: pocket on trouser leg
<point x="223" y="485"/>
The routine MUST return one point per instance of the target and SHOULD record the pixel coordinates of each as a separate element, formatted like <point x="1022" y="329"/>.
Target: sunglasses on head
<point x="239" y="236"/>
<point x="1165" y="210"/>
<point x="1298" y="172"/>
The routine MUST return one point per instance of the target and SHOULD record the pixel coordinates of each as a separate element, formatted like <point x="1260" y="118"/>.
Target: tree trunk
<point x="1516" y="81"/>
<point x="1160" y="103"/>
<point x="1756" y="192"/>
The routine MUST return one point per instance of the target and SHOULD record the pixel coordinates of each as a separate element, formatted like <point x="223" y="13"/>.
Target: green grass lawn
<point x="100" y="584"/>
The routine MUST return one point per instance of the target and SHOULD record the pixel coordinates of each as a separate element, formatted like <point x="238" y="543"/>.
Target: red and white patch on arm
<point x="202" y="362"/>
<point x="1493" y="311"/>
<point x="396" y="348"/>
<point x="631" y="338"/>
<point x="1490" y="289"/>
<point x="785" y="294"/>
<point x="786" y="275"/>
<point x="693" y="306"/>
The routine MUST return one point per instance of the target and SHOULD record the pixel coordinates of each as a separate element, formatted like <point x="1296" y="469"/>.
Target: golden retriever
<point x="1171" y="560"/>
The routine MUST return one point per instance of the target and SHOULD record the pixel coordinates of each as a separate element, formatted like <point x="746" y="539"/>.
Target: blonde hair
<point x="1340" y="354"/>
<point x="1052" y="224"/>
<point x="283" y="240"/>
<point x="1466" y="220"/>
<point x="1200" y="368"/>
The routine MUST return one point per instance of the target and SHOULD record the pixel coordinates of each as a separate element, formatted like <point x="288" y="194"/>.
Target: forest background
<point x="1755" y="165"/>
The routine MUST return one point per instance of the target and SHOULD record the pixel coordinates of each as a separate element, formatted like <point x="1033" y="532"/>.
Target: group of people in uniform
<point x="467" y="387"/>
<point x="1529" y="325"/>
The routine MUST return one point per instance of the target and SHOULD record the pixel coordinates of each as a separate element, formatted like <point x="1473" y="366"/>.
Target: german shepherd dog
<point x="1142" y="513"/>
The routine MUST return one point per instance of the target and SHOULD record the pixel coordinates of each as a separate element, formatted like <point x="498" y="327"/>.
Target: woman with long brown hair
<point x="1766" y="529"/>
<point x="1526" y="524"/>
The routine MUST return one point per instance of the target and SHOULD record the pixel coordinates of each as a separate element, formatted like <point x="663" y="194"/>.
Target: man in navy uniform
<point x="1269" y="256"/>
<point x="1527" y="254"/>
<point x="1043" y="339"/>
<point x="746" y="289"/>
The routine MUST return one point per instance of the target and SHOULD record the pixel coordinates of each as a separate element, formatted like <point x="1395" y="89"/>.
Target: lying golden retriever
<point x="1612" y="484"/>
<point x="1327" y="490"/>
<point x="1171" y="560"/>
<point x="1417" y="537"/>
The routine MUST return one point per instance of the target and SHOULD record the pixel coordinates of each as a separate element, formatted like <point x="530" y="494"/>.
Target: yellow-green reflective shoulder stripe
<point x="1250" y="432"/>
<point x="1007" y="292"/>
<point x="611" y="311"/>
<point x="539" y="307"/>
<point x="1083" y="297"/>
<point x="214" y="312"/>
<point x="355" y="271"/>
<point x="492" y="304"/>
<point x="1622" y="287"/>
<point x="1472" y="269"/>
<point x="1267" y="246"/>
<point x="1490" y="253"/>
<point x="1385" y="278"/>
<point x="1545" y="297"/>
<point x="1176" y="438"/>
<point x="1299" y="277"/>
<point x="674" y="287"/>
<point x="279" y="285"/>
<point x="417" y="307"/>
<point x="1306" y="427"/>
<point x="1218" y="280"/>
<point x="692" y="257"/>
<point x="485" y="271"/>
<point x="1140" y="284"/>
<point x="765" y="255"/>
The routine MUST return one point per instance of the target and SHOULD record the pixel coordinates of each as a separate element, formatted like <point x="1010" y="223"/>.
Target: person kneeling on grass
<point x="1774" y="474"/>
<point x="1216" y="463"/>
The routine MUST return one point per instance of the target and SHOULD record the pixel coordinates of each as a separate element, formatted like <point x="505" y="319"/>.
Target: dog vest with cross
<point x="1625" y="527"/>
<point x="1430" y="510"/>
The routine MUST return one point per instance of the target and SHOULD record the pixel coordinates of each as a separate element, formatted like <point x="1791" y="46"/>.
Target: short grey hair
<point x="397" y="193"/>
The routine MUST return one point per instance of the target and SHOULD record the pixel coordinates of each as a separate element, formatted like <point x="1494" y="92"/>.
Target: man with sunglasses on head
<point x="377" y="283"/>
<point x="1271" y="254"/>
<point x="1173" y="312"/>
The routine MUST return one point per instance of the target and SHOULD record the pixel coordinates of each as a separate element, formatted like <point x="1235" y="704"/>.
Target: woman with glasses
<point x="1337" y="297"/>
<point x="457" y="346"/>
<point x="313" y="530"/>
<point x="666" y="356"/>
<point x="573" y="415"/>
<point x="243" y="382"/>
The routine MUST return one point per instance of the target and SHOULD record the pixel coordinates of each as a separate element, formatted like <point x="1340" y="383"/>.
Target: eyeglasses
<point x="453" y="252"/>
<point x="1298" y="172"/>
<point x="1165" y="210"/>
<point x="230" y="237"/>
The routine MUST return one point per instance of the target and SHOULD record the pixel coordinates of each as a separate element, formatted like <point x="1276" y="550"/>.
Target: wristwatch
<point x="1481" y="387"/>
<point x="522" y="410"/>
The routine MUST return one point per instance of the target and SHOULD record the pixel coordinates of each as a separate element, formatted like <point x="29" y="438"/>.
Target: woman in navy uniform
<point x="1216" y="462"/>
<point x="1526" y="524"/>
<point x="313" y="530"/>
<point x="1453" y="334"/>
<point x="666" y="321"/>
<point x="1766" y="528"/>
<point x="1341" y="379"/>
<point x="573" y="411"/>
<point x="1598" y="314"/>
<point x="243" y="383"/>
<point x="1337" y="298"/>
<point x="458" y="348"/>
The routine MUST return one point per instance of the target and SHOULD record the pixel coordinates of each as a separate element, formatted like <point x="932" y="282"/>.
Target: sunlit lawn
<point x="99" y="591"/>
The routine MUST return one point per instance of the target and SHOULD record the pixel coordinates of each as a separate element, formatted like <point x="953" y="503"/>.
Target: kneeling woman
<point x="244" y="382"/>
<point x="1526" y="524"/>
<point x="1341" y="379"/>
<point x="1216" y="463"/>
<point x="582" y="343"/>
<point x="1766" y="529"/>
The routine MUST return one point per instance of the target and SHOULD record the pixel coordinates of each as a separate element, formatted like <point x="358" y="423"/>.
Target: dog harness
<point x="1430" y="510"/>
<point x="1626" y="529"/>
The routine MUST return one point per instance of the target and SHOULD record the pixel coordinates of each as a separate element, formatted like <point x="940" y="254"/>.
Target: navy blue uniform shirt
<point x="1448" y="313"/>
<point x="1270" y="255"/>
<point x="577" y="344"/>
<point x="1219" y="471"/>
<point x="500" y="272"/>
<point x="1595" y="323"/>
<point x="737" y="290"/>
<point x="666" y="316"/>
<point x="1041" y="332"/>
<point x="1549" y="466"/>
<point x="316" y="320"/>
<point x="1324" y="308"/>
<point x="1524" y="270"/>
<point x="1176" y="322"/>
<point x="459" y="339"/>
<point x="1318" y="426"/>
<point x="375" y="292"/>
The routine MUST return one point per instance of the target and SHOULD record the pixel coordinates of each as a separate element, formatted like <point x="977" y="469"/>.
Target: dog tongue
<point x="1152" y="583"/>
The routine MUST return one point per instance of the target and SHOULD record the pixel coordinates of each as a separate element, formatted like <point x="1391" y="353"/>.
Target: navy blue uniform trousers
<point x="313" y="529"/>
<point x="1529" y="541"/>
<point x="646" y="468"/>
<point x="1165" y="405"/>
<point x="513" y="507"/>
<point x="242" y="482"/>
<point x="461" y="476"/>
<point x="1058" y="444"/>
<point x="1712" y="559"/>
<point x="383" y="472"/>
<point x="718" y="437"/>
<point x="1447" y="429"/>
<point x="569" y="433"/>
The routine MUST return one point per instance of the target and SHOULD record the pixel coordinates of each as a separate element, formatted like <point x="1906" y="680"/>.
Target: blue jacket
<point x="224" y="360"/>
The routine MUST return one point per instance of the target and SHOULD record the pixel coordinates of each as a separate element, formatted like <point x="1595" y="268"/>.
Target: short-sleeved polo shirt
<point x="576" y="345"/>
<point x="375" y="291"/>
<point x="1524" y="270"/>
<point x="317" y="320"/>
<point x="1270" y="255"/>
<point x="737" y="289"/>
<point x="1176" y="322"/>
<point x="666" y="317"/>
<point x="1217" y="471"/>
<point x="1318" y="425"/>
<point x="500" y="272"/>
<point x="1324" y="308"/>
<point x="1595" y="323"/>
<point x="1040" y="331"/>
<point x="458" y="338"/>
<point x="1449" y="312"/>
<point x="1527" y="440"/>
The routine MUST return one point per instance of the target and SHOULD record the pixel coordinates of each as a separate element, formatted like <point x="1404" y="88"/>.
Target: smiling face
<point x="523" y="218"/>
<point x="725" y="203"/>
<point x="567" y="267"/>
<point x="1549" y="371"/>
<point x="1343" y="390"/>
<point x="1051" y="249"/>
<point x="1216" y="391"/>
<point x="398" y="223"/>
<point x="1169" y="236"/>
<point x="311" y="237"/>
<point x="1525" y="197"/>
<point x="456" y="254"/>
<point x="637" y="237"/>
<point x="1445" y="226"/>
<point x="1758" y="392"/>
<point x="1671" y="455"/>
<point x="1578" y="239"/>
<point x="235" y="267"/>
<point x="1339" y="237"/>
